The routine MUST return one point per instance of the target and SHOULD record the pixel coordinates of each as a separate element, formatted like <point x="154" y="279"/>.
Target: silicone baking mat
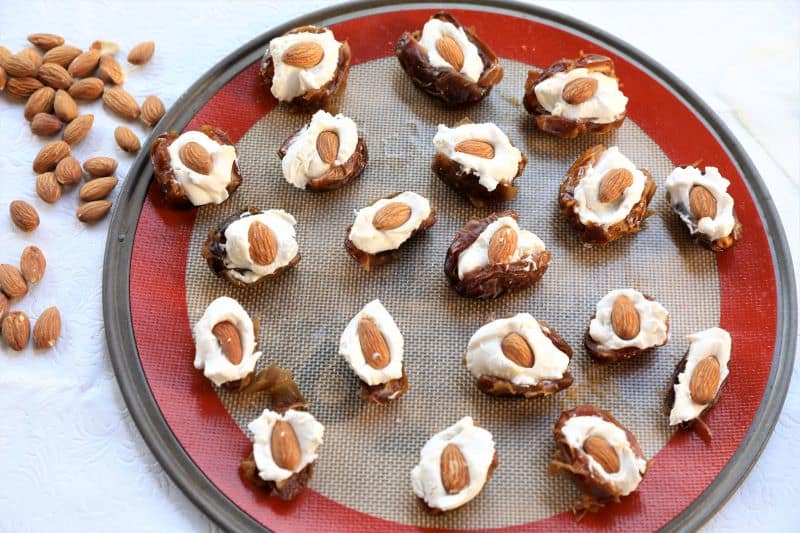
<point x="362" y="474"/>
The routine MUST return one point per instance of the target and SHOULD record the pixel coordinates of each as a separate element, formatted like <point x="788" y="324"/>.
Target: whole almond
<point x="702" y="203"/>
<point x="78" y="129"/>
<point x="47" y="329"/>
<point x="16" y="330"/>
<point x="87" y="89"/>
<point x="64" y="106"/>
<point x="23" y="215"/>
<point x="229" y="341"/>
<point x="502" y="246"/>
<point x="3" y="78"/>
<point x="45" y="125"/>
<point x="303" y="55"/>
<point x="32" y="264"/>
<point x="55" y="76"/>
<point x="68" y="171"/>
<point x="328" y="146"/>
<point x="41" y="101"/>
<point x="602" y="452"/>
<point x="450" y="51"/>
<point x="23" y="87"/>
<point x="263" y="248"/>
<point x="579" y="90"/>
<point x="12" y="283"/>
<point x="705" y="380"/>
<point x="477" y="148"/>
<point x="121" y="102"/>
<point x="93" y="211"/>
<point x="33" y="55"/>
<point x="97" y="189"/>
<point x="4" y="306"/>
<point x="84" y="64"/>
<point x="152" y="110"/>
<point x="45" y="41"/>
<point x="517" y="349"/>
<point x="5" y="53"/>
<point x="48" y="188"/>
<point x="20" y="66"/>
<point x="373" y="344"/>
<point x="141" y="53"/>
<point x="624" y="318"/>
<point x="110" y="71"/>
<point x="100" y="166"/>
<point x="106" y="48"/>
<point x="613" y="184"/>
<point x="49" y="156"/>
<point x="284" y="445"/>
<point x="391" y="216"/>
<point x="62" y="55"/>
<point x="126" y="139"/>
<point x="195" y="157"/>
<point x="454" y="469"/>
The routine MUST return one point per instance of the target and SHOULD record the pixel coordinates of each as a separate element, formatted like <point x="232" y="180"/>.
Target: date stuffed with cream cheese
<point x="325" y="154"/>
<point x="625" y="324"/>
<point x="604" y="196"/>
<point x="518" y="356"/>
<point x="600" y="454"/>
<point x="572" y="97"/>
<point x="306" y="67"/>
<point x="252" y="246"/>
<point x="449" y="61"/>
<point x="478" y="161"/>
<point x="381" y="228"/>
<point x="454" y="466"/>
<point x="196" y="167"/>
<point x="704" y="205"/>
<point x="492" y="256"/>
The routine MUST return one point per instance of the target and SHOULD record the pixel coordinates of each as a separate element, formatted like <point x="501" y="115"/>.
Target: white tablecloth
<point x="71" y="458"/>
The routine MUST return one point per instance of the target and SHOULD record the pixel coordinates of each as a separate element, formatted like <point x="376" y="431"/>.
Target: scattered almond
<point x="141" y="53"/>
<point x="20" y="66"/>
<point x="3" y="78"/>
<point x="48" y="188"/>
<point x="68" y="171"/>
<point x="93" y="211"/>
<point x="87" y="89"/>
<point x="517" y="349"/>
<point x="33" y="55"/>
<point x="613" y="184"/>
<point x="5" y="53"/>
<point x="602" y="452"/>
<point x="126" y="139"/>
<point x="450" y="51"/>
<point x="41" y="101"/>
<point x="97" y="189"/>
<point x="328" y="146"/>
<point x="64" y="106"/>
<point x="12" y="282"/>
<point x="4" y="306"/>
<point x="77" y="130"/>
<point x="624" y="318"/>
<point x="100" y="166"/>
<point x="22" y="87"/>
<point x="263" y="248"/>
<point x="579" y="90"/>
<point x="55" y="76"/>
<point x="702" y="203"/>
<point x="45" y="125"/>
<point x="476" y="148"/>
<point x="454" y="469"/>
<point x="229" y="341"/>
<point x="373" y="344"/>
<point x="84" y="64"/>
<point x="49" y="156"/>
<point x="23" y="215"/>
<point x="16" y="330"/>
<point x="47" y="329"/>
<point x="152" y="110"/>
<point x="121" y="102"/>
<point x="32" y="264"/>
<point x="195" y="157"/>
<point x="110" y="70"/>
<point x="105" y="47"/>
<point x="284" y="445"/>
<point x="502" y="246"/>
<point x="303" y="55"/>
<point x="705" y="380"/>
<point x="45" y="41"/>
<point x="391" y="216"/>
<point x="62" y="55"/>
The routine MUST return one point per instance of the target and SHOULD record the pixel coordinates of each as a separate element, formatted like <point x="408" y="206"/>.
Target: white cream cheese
<point x="288" y="81"/>
<point x="202" y="189"/>
<point x="476" y="445"/>
<point x="680" y="183"/>
<point x="350" y="346"/>
<point x="502" y="168"/>
<point x="711" y="342"/>
<point x="653" y="317"/>
<point x="433" y="30"/>
<point x="588" y="206"/>
<point x="237" y="244"/>
<point x="302" y="162"/>
<point x="631" y="467"/>
<point x="369" y="239"/>
<point x="309" y="436"/>
<point x="485" y="355"/>
<point x="208" y="353"/>
<point x="606" y="105"/>
<point x="477" y="254"/>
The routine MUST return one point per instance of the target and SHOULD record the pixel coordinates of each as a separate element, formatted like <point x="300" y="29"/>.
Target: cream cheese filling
<point x="309" y="435"/>
<point x="434" y="29"/>
<point x="350" y="345"/>
<point x="289" y="81"/>
<point x="237" y="244"/>
<point x="680" y="183"/>
<point x="476" y="255"/>
<point x="605" y="106"/>
<point x="202" y="189"/>
<point x="366" y="237"/>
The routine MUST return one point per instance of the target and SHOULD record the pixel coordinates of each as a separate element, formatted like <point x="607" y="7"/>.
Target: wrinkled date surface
<point x="466" y="183"/>
<point x="336" y="176"/>
<point x="385" y="392"/>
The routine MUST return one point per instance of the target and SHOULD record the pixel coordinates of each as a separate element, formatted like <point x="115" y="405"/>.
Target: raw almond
<point x="517" y="349"/>
<point x="391" y="216"/>
<point x="3" y="78"/>
<point x="141" y="53"/>
<point x="41" y="101"/>
<point x="476" y="148"/>
<point x="105" y="47"/>
<point x="78" y="129"/>
<point x="624" y="318"/>
<point x="602" y="452"/>
<point x="20" y="66"/>
<point x="110" y="70"/>
<point x="32" y="264"/>
<point x="64" y="106"/>
<point x="579" y="90"/>
<point x="328" y="146"/>
<point x="613" y="184"/>
<point x="284" y="445"/>
<point x="48" y="188"/>
<point x="705" y="380"/>
<point x="45" y="125"/>
<point x="702" y="203"/>
<point x="195" y="157"/>
<point x="47" y="329"/>
<point x="126" y="139"/>
<point x="5" y="53"/>
<point x="24" y="215"/>
<point x="303" y="55"/>
<point x="502" y="246"/>
<point x="229" y="341"/>
<point x="84" y="64"/>
<point x="453" y="466"/>
<point x="45" y="41"/>
<point x="152" y="110"/>
<point x="62" y="55"/>
<point x="49" y="156"/>
<point x="33" y="55"/>
<point x="87" y="89"/>
<point x="450" y="51"/>
<point x="16" y="330"/>
<point x="55" y="76"/>
<point x="262" y="243"/>
<point x="97" y="189"/>
<point x="12" y="282"/>
<point x="68" y="171"/>
<point x="121" y="102"/>
<point x="100" y="166"/>
<point x="4" y="306"/>
<point x="373" y="344"/>
<point x="23" y="87"/>
<point x="93" y="211"/>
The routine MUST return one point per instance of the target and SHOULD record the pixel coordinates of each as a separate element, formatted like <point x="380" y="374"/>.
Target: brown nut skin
<point x="367" y="260"/>
<point x="491" y="281"/>
<point x="337" y="176"/>
<point x="602" y="355"/>
<point x="214" y="251"/>
<point x="451" y="87"/>
<point x="559" y="126"/>
<point x="435" y="511"/>
<point x="385" y="392"/>
<point x="595" y="491"/>
<point x="165" y="175"/>
<point x="593" y="233"/>
<point x="312" y="99"/>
